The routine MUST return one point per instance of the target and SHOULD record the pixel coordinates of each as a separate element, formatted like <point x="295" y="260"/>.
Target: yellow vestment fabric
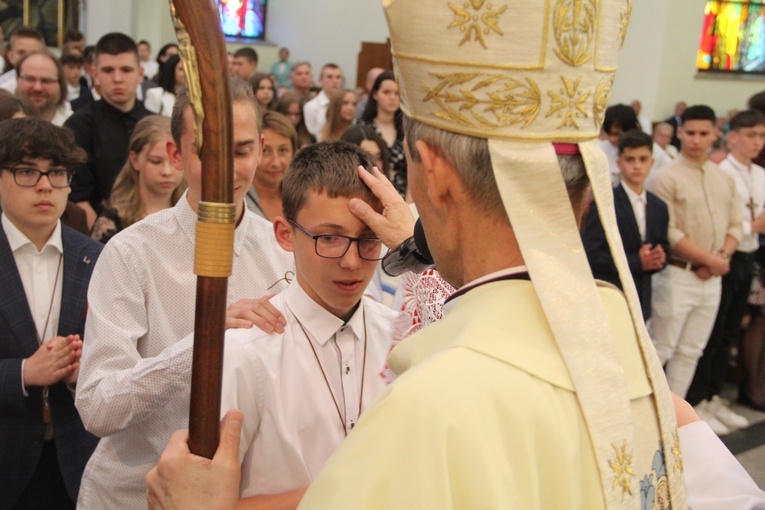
<point x="484" y="415"/>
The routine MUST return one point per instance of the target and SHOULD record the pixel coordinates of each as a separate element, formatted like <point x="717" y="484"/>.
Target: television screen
<point x="242" y="19"/>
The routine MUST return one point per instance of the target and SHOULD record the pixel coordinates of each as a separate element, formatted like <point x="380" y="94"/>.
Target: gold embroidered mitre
<point x="508" y="69"/>
<point x="523" y="74"/>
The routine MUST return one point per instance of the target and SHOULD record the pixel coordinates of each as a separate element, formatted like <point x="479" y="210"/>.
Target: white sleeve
<point x="714" y="479"/>
<point x="153" y="101"/>
<point x="241" y="389"/>
<point x="116" y="387"/>
<point x="310" y="115"/>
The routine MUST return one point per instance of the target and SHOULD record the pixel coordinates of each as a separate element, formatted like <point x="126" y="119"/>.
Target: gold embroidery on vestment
<point x="622" y="467"/>
<point x="570" y="103"/>
<point x="624" y="21"/>
<point x="574" y="30"/>
<point x="491" y="101"/>
<point x="677" y="453"/>
<point x="476" y="23"/>
<point x="600" y="100"/>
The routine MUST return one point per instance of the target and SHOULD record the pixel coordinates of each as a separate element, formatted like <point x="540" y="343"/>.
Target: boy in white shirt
<point x="303" y="390"/>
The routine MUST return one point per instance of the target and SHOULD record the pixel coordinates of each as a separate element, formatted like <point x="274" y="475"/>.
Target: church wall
<point x="657" y="64"/>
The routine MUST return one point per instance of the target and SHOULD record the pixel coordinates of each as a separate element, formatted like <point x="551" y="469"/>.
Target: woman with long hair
<point x="290" y="105"/>
<point x="172" y="80"/>
<point x="340" y="114"/>
<point x="281" y="143"/>
<point x="146" y="184"/>
<point x="369" y="141"/>
<point x="265" y="92"/>
<point x="383" y="114"/>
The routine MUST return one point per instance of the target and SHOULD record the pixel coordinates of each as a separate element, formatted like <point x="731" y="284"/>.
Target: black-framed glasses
<point x="28" y="177"/>
<point x="334" y="246"/>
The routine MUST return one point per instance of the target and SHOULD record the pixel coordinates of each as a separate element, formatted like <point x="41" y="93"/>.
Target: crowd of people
<point x="100" y="186"/>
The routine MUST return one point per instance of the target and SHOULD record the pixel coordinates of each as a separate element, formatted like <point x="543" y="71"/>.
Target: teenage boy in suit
<point x="642" y="219"/>
<point x="44" y="273"/>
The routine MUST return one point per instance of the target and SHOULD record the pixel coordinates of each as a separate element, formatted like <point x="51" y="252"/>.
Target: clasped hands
<point x="652" y="259"/>
<point x="57" y="359"/>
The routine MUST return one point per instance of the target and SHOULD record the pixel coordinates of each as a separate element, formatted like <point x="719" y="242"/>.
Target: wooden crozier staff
<point x="196" y="25"/>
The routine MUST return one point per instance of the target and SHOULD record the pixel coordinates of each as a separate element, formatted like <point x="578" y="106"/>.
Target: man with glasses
<point x="41" y="81"/>
<point x="302" y="390"/>
<point x="44" y="273"/>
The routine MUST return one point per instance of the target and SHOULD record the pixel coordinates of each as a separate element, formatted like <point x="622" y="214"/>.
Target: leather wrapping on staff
<point x="214" y="249"/>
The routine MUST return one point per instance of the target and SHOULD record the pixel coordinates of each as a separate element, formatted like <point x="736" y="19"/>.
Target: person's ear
<point x="283" y="233"/>
<point x="440" y="176"/>
<point x="175" y="155"/>
<point x="133" y="158"/>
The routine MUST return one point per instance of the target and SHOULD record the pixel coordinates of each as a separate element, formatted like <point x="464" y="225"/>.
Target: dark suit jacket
<point x="86" y="97"/>
<point x="599" y="255"/>
<point x="21" y="426"/>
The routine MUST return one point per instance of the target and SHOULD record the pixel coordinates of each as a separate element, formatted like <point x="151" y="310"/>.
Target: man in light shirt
<point x="704" y="231"/>
<point x="134" y="385"/>
<point x="745" y="141"/>
<point x="303" y="389"/>
<point x="315" y="110"/>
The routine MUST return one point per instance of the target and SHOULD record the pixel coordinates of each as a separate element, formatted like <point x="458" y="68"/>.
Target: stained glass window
<point x="733" y="37"/>
<point x="242" y="19"/>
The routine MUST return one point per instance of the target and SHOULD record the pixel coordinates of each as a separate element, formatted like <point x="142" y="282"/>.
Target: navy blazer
<point x="21" y="423"/>
<point x="599" y="255"/>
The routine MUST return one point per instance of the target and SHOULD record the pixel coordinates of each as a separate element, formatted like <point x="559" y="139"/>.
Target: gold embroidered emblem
<point x="624" y="21"/>
<point x="622" y="466"/>
<point x="569" y="104"/>
<point x="677" y="453"/>
<point x="476" y="23"/>
<point x="493" y="101"/>
<point x="574" y="29"/>
<point x="600" y="100"/>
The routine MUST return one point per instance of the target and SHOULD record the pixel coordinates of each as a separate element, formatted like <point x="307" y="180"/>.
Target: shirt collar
<point x="187" y="218"/>
<point x="318" y="322"/>
<point x="634" y="196"/>
<point x="496" y="275"/>
<point x="693" y="164"/>
<point x="17" y="240"/>
<point x="742" y="168"/>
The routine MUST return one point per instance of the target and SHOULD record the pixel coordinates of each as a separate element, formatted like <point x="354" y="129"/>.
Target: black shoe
<point x="745" y="399"/>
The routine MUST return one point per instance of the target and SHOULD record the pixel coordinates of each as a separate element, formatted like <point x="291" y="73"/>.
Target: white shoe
<point x="719" y="408"/>
<point x="705" y="414"/>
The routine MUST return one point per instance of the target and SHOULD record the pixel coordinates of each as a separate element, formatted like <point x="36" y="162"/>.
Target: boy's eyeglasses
<point x="28" y="177"/>
<point x="334" y="246"/>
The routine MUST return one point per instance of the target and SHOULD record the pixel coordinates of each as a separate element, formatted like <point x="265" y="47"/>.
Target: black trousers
<point x="713" y="365"/>
<point x="46" y="489"/>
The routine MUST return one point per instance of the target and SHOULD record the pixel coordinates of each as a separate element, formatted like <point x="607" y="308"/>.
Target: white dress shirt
<point x="150" y="68"/>
<point x="133" y="390"/>
<point x="315" y="114"/>
<point x="159" y="101"/>
<point x="714" y="479"/>
<point x="291" y="424"/>
<point x="8" y="81"/>
<point x="39" y="271"/>
<point x="750" y="185"/>
<point x="63" y="112"/>
<point x="638" y="203"/>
